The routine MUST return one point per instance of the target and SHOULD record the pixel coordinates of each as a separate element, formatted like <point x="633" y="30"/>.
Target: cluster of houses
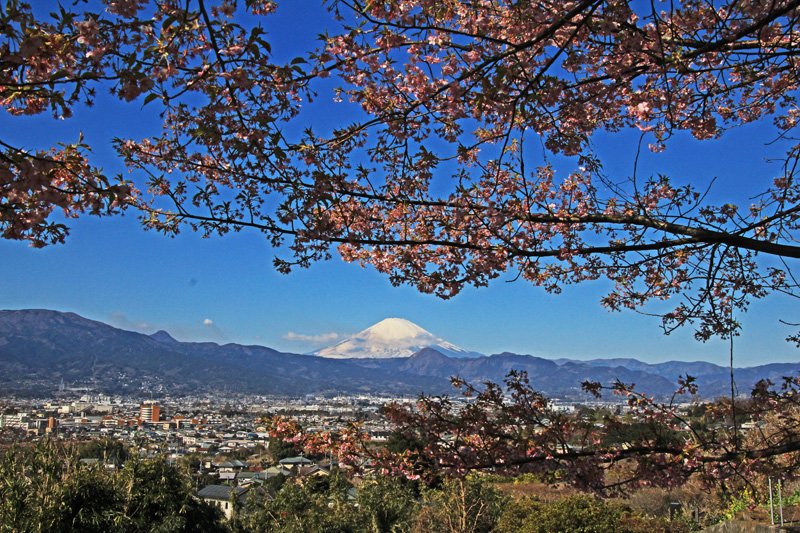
<point x="236" y="482"/>
<point x="198" y="427"/>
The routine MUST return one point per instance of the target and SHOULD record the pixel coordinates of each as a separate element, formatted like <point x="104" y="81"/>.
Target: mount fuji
<point x="390" y="338"/>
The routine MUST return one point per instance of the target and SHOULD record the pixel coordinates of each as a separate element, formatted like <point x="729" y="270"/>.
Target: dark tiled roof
<point x="299" y="460"/>
<point x="220" y="492"/>
<point x="308" y="470"/>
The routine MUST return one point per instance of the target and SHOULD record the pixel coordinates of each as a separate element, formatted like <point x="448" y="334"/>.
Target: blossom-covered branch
<point x="434" y="182"/>
<point x="513" y="429"/>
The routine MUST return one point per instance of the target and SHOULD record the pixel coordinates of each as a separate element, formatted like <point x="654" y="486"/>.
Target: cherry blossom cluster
<point x="444" y="177"/>
<point x="511" y="429"/>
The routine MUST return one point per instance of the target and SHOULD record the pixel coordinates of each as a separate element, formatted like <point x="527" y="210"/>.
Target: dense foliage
<point x="580" y="514"/>
<point x="470" y="505"/>
<point x="47" y="489"/>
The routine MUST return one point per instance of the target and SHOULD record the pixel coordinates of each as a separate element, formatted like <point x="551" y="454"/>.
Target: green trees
<point x="471" y="505"/>
<point x="578" y="514"/>
<point x="46" y="489"/>
<point x="460" y="506"/>
<point x="319" y="505"/>
<point x="386" y="504"/>
<point x="374" y="505"/>
<point x="154" y="496"/>
<point x="280" y="449"/>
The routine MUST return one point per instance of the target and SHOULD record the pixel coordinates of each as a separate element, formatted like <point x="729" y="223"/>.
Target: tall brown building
<point x="150" y="411"/>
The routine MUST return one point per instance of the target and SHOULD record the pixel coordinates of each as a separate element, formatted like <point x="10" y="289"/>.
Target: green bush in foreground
<point x="45" y="488"/>
<point x="579" y="514"/>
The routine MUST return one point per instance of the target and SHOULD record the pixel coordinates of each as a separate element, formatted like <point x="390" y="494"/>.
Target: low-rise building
<point x="226" y="498"/>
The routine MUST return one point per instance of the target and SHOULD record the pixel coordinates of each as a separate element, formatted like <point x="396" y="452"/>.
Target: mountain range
<point x="39" y="349"/>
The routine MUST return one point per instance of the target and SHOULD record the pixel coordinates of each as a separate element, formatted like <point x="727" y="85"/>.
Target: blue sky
<point x="225" y="290"/>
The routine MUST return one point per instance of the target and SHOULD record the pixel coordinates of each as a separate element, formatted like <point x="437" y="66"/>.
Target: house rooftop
<point x="299" y="460"/>
<point x="221" y="492"/>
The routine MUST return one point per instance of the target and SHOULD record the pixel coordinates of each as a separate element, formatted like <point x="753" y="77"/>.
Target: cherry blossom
<point x="439" y="181"/>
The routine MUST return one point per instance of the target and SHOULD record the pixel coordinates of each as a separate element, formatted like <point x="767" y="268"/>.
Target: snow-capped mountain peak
<point x="393" y="329"/>
<point x="391" y="337"/>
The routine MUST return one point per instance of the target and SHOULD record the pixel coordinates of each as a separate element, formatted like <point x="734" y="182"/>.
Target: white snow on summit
<point x="391" y="337"/>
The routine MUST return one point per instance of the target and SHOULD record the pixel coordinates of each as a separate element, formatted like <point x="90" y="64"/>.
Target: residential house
<point x="225" y="497"/>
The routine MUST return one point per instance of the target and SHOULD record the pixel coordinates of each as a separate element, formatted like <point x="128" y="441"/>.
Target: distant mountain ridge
<point x="666" y="369"/>
<point x="163" y="337"/>
<point x="39" y="348"/>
